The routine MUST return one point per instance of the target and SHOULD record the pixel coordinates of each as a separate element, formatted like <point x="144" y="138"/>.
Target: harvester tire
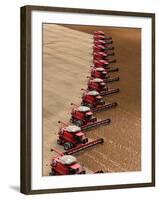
<point x="67" y="146"/>
<point x="52" y="173"/>
<point x="78" y="123"/>
<point x="59" y="142"/>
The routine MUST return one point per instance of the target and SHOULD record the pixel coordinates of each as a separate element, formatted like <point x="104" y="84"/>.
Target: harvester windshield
<point x="89" y="115"/>
<point x="74" y="169"/>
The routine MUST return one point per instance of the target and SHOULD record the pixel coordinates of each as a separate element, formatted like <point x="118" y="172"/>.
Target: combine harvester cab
<point x="100" y="86"/>
<point x="102" y="42"/>
<point x="102" y="73"/>
<point x="102" y="48"/>
<point x="105" y="64"/>
<point x="65" y="165"/>
<point x="83" y="116"/>
<point x="71" y="136"/>
<point x="99" y="60"/>
<point x="100" y="35"/>
<point x="102" y="55"/>
<point x="97" y="84"/>
<point x="93" y="100"/>
<point x="99" y="72"/>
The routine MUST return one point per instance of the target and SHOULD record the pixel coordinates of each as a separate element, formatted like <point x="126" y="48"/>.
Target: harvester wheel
<point x="52" y="173"/>
<point x="102" y="102"/>
<point x="87" y="104"/>
<point x="83" y="172"/>
<point x="67" y="146"/>
<point x="106" y="89"/>
<point x="78" y="123"/>
<point x="59" y="142"/>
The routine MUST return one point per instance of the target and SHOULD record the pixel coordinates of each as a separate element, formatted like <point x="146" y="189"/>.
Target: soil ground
<point x="66" y="59"/>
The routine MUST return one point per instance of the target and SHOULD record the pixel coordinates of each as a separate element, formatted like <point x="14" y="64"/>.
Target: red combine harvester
<point x="104" y="63"/>
<point x="100" y="86"/>
<point x="102" y="42"/>
<point x="102" y="48"/>
<point x="99" y="72"/>
<point x="101" y="37"/>
<point x="82" y="116"/>
<point x="71" y="136"/>
<point x="93" y="100"/>
<point x="103" y="74"/>
<point x="102" y="55"/>
<point x="98" y="33"/>
<point x="97" y="84"/>
<point x="66" y="164"/>
<point x="101" y="33"/>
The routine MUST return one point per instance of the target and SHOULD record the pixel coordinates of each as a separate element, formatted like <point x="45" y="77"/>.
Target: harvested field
<point x="66" y="60"/>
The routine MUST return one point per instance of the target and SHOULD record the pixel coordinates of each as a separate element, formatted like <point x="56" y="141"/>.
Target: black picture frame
<point x="25" y="185"/>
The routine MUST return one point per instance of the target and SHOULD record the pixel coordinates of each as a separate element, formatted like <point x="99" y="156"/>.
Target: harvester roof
<point x="83" y="108"/>
<point x="67" y="159"/>
<point x="101" y="53"/>
<point x="97" y="80"/>
<point x="93" y="93"/>
<point x="73" y="129"/>
<point x="98" y="32"/>
<point x="100" y="69"/>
